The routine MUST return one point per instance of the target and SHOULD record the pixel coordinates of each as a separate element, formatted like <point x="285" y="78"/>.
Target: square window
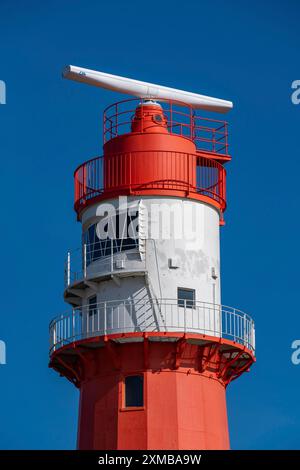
<point x="186" y="297"/>
<point x="134" y="391"/>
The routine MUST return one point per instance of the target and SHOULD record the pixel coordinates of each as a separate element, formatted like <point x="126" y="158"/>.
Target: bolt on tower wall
<point x="147" y="340"/>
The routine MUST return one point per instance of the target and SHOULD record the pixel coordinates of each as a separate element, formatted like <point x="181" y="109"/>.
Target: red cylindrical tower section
<point x="152" y="150"/>
<point x="183" y="398"/>
<point x="183" y="409"/>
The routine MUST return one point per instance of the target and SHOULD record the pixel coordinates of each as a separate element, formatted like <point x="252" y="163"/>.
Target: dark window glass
<point x="134" y="386"/>
<point x="98" y="248"/>
<point x="92" y="305"/>
<point x="186" y="297"/>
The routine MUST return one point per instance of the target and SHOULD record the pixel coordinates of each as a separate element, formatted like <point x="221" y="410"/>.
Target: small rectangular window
<point x="186" y="297"/>
<point x="134" y="391"/>
<point x="93" y="305"/>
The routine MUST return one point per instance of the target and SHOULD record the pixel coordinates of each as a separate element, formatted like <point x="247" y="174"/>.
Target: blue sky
<point x="244" y="51"/>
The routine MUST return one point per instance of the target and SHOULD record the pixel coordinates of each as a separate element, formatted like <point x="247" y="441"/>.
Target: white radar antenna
<point x="145" y="90"/>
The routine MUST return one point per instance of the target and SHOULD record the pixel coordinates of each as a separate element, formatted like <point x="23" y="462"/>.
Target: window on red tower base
<point x="134" y="391"/>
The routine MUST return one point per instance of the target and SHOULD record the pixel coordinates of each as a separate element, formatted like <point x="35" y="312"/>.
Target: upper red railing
<point x="209" y="135"/>
<point x="177" y="173"/>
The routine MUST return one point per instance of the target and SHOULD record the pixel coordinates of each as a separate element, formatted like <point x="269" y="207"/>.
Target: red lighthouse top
<point x="159" y="149"/>
<point x="149" y="117"/>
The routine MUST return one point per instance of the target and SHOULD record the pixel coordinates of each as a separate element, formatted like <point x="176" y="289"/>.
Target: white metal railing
<point x="95" y="259"/>
<point x="152" y="315"/>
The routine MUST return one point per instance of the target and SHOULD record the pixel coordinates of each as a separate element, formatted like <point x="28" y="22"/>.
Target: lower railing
<point x="152" y="315"/>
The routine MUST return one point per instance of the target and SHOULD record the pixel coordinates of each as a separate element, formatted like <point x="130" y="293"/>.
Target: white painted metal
<point x="196" y="250"/>
<point x="146" y="90"/>
<point x="78" y="270"/>
<point x="167" y="316"/>
<point x="84" y="260"/>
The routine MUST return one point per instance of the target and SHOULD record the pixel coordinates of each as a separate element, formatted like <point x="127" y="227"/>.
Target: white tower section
<point x="175" y="264"/>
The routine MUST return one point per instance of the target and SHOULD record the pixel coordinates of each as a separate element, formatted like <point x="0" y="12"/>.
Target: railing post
<point x="111" y="256"/>
<point x="81" y="323"/>
<point x="84" y="194"/>
<point x="246" y="339"/>
<point x="68" y="268"/>
<point x="87" y="314"/>
<point x="93" y="321"/>
<point x="117" y="123"/>
<point x="104" y="124"/>
<point x="130" y="176"/>
<point x="61" y="330"/>
<point x="76" y="187"/>
<point x="223" y="184"/>
<point x="226" y="138"/>
<point x="84" y="260"/>
<point x="185" y="316"/>
<point x="214" y="307"/>
<point x="73" y="324"/>
<point x="54" y="336"/>
<point x="105" y="320"/>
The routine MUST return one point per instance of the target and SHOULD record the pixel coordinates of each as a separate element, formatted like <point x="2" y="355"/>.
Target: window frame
<point x="123" y="406"/>
<point x="186" y="303"/>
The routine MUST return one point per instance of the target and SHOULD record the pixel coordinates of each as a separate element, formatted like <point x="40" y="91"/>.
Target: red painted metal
<point x="210" y="135"/>
<point x="178" y="377"/>
<point x="232" y="350"/>
<point x="152" y="150"/>
<point x="148" y="172"/>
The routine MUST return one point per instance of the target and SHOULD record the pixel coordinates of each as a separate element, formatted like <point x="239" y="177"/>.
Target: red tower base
<point x="184" y="405"/>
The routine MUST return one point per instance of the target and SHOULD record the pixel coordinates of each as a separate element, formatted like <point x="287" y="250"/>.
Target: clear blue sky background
<point x="245" y="51"/>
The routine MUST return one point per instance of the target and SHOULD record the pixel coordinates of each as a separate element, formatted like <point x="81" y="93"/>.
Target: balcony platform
<point x="225" y="359"/>
<point x="80" y="274"/>
<point x="161" y="317"/>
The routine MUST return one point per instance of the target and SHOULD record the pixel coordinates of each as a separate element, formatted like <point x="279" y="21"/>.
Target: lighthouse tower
<point x="146" y="338"/>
